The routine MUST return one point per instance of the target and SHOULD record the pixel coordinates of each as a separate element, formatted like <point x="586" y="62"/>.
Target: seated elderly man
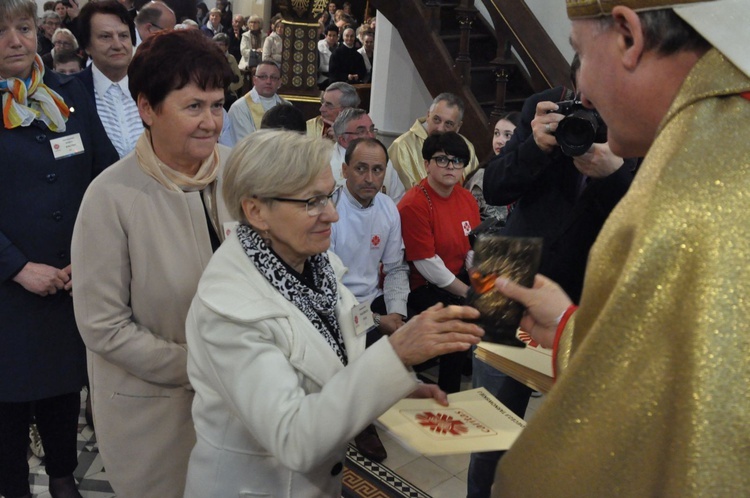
<point x="365" y="214"/>
<point x="337" y="96"/>
<point x="350" y="125"/>
<point x="445" y="114"/>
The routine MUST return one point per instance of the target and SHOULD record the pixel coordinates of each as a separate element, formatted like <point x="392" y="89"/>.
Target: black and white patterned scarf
<point x="317" y="305"/>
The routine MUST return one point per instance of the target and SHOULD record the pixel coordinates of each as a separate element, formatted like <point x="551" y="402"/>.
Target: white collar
<point x="102" y="83"/>
<point x="354" y="202"/>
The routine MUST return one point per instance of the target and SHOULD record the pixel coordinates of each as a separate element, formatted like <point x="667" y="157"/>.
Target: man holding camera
<point x="562" y="198"/>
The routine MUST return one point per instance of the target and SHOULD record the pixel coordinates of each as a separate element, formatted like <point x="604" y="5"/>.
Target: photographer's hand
<point x="544" y="125"/>
<point x="74" y="9"/>
<point x="598" y="162"/>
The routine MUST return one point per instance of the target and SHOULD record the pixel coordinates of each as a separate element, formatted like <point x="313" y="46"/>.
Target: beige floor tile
<point x="463" y="476"/>
<point x="452" y="463"/>
<point x="423" y="473"/>
<point x="452" y="488"/>
<point x="398" y="456"/>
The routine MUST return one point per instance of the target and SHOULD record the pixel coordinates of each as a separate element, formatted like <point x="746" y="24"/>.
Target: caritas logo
<point x="441" y="423"/>
<point x="525" y="337"/>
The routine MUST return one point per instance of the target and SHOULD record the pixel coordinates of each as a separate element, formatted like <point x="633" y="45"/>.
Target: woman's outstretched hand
<point x="436" y="331"/>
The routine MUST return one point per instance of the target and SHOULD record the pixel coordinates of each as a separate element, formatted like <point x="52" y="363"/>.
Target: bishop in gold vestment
<point x="653" y="396"/>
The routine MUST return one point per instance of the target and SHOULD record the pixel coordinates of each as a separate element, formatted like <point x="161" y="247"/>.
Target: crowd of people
<point x="224" y="251"/>
<point x="247" y="40"/>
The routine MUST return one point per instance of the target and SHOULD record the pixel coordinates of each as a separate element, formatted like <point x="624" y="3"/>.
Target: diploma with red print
<point x="474" y="421"/>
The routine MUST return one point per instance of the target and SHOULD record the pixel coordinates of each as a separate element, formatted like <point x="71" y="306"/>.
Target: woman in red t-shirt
<point x="437" y="216"/>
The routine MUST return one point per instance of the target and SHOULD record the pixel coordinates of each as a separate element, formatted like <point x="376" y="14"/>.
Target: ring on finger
<point x="546" y="127"/>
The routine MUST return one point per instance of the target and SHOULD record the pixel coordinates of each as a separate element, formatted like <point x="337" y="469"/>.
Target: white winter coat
<point x="274" y="406"/>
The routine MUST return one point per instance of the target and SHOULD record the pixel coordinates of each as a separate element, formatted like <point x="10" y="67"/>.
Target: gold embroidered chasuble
<point x="652" y="399"/>
<point x="314" y="127"/>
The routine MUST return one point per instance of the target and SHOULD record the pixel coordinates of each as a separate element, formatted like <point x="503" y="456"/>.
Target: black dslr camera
<point x="579" y="129"/>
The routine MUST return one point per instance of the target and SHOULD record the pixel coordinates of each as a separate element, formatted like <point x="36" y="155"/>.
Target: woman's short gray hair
<point x="68" y="33"/>
<point x="50" y="14"/>
<point x="11" y="9"/>
<point x="272" y="163"/>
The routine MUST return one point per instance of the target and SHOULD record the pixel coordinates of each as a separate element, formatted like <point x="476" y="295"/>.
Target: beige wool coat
<point x="138" y="252"/>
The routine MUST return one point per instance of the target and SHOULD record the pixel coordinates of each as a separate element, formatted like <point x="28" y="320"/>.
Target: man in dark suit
<point x="565" y="200"/>
<point x="105" y="29"/>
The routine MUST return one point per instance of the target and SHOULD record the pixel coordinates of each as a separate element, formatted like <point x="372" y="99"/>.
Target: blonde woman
<point x="272" y="46"/>
<point x="251" y="45"/>
<point x="282" y="380"/>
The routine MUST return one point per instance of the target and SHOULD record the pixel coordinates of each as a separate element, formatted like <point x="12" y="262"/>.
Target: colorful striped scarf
<point x="27" y="100"/>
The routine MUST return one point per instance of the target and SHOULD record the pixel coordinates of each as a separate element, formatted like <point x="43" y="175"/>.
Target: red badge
<point x="375" y="241"/>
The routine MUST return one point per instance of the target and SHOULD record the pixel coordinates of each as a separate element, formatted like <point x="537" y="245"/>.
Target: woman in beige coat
<point x="273" y="45"/>
<point x="251" y="44"/>
<point x="145" y="231"/>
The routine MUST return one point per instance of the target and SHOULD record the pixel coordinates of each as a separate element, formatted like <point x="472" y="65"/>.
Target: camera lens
<point x="576" y="132"/>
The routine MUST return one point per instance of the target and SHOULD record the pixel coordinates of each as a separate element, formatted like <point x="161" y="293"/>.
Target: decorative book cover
<point x="474" y="421"/>
<point x="514" y="258"/>
<point x="531" y="365"/>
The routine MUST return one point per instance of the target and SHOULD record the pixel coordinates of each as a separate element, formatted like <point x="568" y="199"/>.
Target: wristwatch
<point x="376" y="319"/>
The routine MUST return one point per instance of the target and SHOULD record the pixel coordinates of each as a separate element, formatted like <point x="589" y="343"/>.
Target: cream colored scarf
<point x="170" y="178"/>
<point x="204" y="180"/>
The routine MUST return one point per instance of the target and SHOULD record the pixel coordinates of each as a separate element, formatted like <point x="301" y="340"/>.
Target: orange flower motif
<point x="442" y="423"/>
<point x="482" y="283"/>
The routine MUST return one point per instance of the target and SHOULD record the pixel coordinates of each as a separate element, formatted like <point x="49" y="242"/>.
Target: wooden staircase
<point x="493" y="69"/>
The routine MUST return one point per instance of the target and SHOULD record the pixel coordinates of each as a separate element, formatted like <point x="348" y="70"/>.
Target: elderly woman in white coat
<point x="145" y="232"/>
<point x="251" y="44"/>
<point x="273" y="44"/>
<point x="282" y="378"/>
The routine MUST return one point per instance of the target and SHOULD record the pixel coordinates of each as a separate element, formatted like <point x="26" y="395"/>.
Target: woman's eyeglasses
<point x="315" y="205"/>
<point x="443" y="161"/>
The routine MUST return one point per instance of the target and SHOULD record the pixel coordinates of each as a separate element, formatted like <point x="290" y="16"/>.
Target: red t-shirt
<point x="441" y="230"/>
